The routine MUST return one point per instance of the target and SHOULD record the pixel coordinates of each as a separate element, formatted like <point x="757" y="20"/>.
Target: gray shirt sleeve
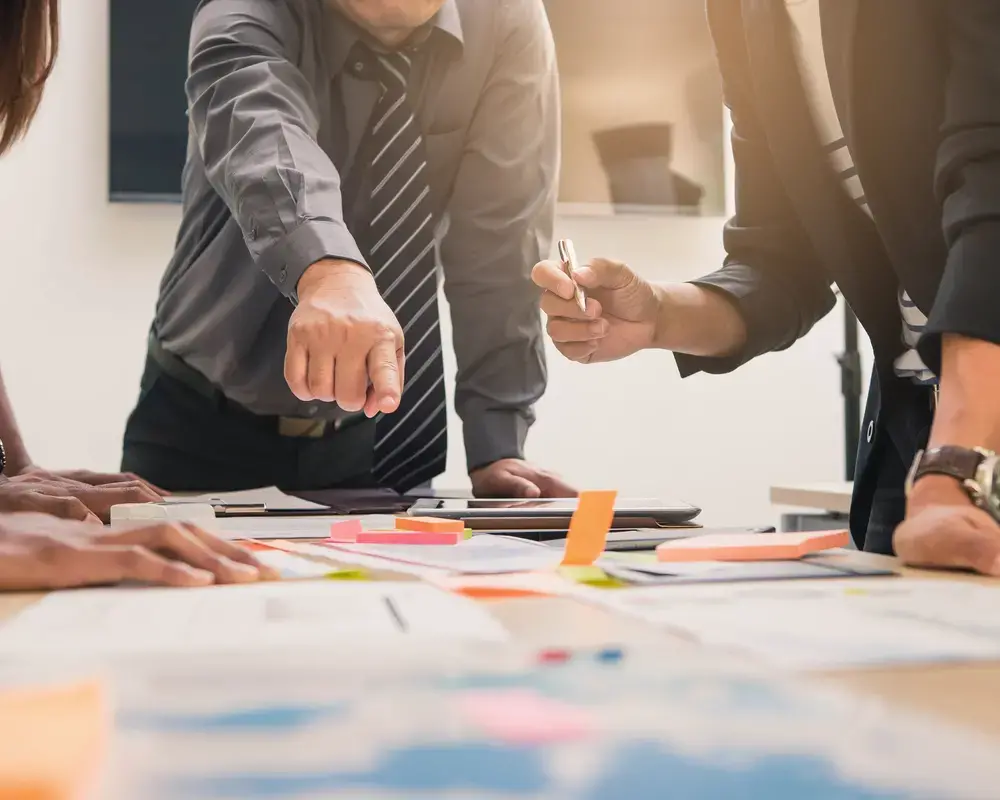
<point x="254" y="117"/>
<point x="501" y="218"/>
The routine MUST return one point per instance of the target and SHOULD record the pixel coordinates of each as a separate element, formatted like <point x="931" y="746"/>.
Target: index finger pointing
<point x="549" y="275"/>
<point x="384" y="373"/>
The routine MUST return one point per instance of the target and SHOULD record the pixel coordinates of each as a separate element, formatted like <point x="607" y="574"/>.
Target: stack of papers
<point x="828" y="624"/>
<point x="247" y="619"/>
<point x="480" y="555"/>
<point x="266" y="526"/>
<point x="646" y="569"/>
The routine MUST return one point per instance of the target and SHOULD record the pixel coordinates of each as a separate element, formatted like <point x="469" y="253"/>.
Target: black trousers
<point x="183" y="439"/>
<point x="902" y="428"/>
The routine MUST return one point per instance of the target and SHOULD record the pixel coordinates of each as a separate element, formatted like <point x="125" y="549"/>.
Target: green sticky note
<point x="591" y="576"/>
<point x="467" y="533"/>
<point x="347" y="575"/>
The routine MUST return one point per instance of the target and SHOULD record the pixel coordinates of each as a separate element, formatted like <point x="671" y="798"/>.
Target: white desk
<point x="831" y="500"/>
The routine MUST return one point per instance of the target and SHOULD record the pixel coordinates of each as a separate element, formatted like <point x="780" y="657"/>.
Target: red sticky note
<point x="54" y="741"/>
<point x="407" y="537"/>
<point x="589" y="527"/>
<point x="250" y="544"/>
<point x="751" y="546"/>
<point x="522" y="716"/>
<point x="430" y="525"/>
<point x="345" y="531"/>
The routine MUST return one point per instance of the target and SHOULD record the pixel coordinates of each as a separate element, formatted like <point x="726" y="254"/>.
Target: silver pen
<point x="567" y="257"/>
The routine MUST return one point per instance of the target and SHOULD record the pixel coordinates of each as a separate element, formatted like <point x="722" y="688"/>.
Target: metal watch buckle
<point x="911" y="473"/>
<point x="984" y="495"/>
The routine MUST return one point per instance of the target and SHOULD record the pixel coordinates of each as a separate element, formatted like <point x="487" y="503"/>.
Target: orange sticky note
<point x="751" y="546"/>
<point x="588" y="530"/>
<point x="53" y="741"/>
<point x="430" y="525"/>
<point x="496" y="593"/>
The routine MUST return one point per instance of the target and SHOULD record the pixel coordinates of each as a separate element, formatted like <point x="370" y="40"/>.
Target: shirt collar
<point x="345" y="34"/>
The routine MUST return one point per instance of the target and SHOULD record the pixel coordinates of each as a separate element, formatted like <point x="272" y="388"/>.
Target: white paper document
<point x="341" y="557"/>
<point x="309" y="526"/>
<point x="313" y="615"/>
<point x="486" y="554"/>
<point x="828" y="624"/>
<point x="267" y="526"/>
<point x="292" y="567"/>
<point x="272" y="498"/>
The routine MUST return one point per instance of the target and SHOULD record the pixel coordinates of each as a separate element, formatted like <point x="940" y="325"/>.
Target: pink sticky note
<point x="522" y="716"/>
<point x="345" y="531"/>
<point x="407" y="537"/>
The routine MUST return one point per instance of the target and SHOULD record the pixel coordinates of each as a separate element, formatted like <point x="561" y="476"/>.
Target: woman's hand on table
<point x="39" y="552"/>
<point x="65" y="496"/>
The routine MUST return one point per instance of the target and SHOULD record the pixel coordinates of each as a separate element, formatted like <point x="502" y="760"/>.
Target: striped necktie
<point x="411" y="444"/>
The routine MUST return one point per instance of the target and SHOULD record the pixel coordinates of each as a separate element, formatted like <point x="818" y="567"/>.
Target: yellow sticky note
<point x="588" y="530"/>
<point x="347" y="575"/>
<point x="54" y="740"/>
<point x="591" y="576"/>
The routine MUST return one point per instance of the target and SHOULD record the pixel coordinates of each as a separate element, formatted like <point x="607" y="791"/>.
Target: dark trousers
<point x="902" y="428"/>
<point x="182" y="439"/>
<point x="889" y="499"/>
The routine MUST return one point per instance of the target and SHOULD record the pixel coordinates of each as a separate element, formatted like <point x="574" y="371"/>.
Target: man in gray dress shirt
<point x="339" y="151"/>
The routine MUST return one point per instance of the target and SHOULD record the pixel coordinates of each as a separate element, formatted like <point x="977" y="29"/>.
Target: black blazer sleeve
<point x="771" y="271"/>
<point x="968" y="181"/>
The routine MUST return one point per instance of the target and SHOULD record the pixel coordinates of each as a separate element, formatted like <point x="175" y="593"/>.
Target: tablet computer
<point x="657" y="512"/>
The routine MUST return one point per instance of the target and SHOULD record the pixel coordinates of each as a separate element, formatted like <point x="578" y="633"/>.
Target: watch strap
<point x="960" y="463"/>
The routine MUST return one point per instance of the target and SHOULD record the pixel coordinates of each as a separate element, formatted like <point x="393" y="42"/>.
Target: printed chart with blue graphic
<point x="643" y="728"/>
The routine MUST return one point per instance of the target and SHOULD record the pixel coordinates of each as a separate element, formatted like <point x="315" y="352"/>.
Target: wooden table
<point x="961" y="694"/>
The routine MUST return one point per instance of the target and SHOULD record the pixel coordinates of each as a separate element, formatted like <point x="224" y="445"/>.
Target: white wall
<point x="79" y="278"/>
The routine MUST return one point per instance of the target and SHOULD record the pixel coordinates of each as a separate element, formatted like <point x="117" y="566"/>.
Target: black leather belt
<point x="292" y="427"/>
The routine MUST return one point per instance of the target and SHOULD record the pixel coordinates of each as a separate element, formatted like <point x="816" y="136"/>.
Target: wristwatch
<point x="976" y="469"/>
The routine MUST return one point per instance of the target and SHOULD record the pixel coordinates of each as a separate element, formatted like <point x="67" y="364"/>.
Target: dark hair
<point x="29" y="38"/>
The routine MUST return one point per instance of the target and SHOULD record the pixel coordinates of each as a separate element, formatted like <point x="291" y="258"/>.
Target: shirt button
<point x="253" y="234"/>
<point x="871" y="431"/>
<point x="283" y="275"/>
<point x="358" y="67"/>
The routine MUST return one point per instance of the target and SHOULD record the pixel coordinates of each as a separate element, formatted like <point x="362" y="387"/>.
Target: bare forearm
<point x="968" y="412"/>
<point x="698" y="322"/>
<point x="10" y="435"/>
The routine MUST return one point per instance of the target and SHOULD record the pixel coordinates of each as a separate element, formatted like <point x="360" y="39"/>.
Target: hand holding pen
<point x="599" y="312"/>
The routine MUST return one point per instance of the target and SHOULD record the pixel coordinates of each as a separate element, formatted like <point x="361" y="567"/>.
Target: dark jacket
<point x="917" y="86"/>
